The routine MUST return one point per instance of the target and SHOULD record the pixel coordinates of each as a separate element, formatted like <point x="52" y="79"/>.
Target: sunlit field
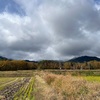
<point x="93" y="78"/>
<point x="45" y="85"/>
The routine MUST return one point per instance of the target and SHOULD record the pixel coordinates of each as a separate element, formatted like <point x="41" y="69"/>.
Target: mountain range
<point x="84" y="59"/>
<point x="3" y="58"/>
<point x="76" y="59"/>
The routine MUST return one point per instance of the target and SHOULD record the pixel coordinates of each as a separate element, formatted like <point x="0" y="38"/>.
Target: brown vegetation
<point x="16" y="65"/>
<point x="7" y="65"/>
<point x="60" y="87"/>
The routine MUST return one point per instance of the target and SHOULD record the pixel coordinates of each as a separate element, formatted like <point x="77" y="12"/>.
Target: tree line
<point x="13" y="65"/>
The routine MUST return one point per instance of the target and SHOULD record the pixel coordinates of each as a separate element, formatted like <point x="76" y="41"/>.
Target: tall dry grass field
<point x="68" y="87"/>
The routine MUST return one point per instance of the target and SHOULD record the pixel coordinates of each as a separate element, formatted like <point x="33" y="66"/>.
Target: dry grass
<point x="60" y="87"/>
<point x="43" y="90"/>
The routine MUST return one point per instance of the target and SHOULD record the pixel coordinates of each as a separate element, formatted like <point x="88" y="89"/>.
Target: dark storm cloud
<point x="75" y="25"/>
<point x="32" y="44"/>
<point x="70" y="19"/>
<point x="73" y="47"/>
<point x="50" y="29"/>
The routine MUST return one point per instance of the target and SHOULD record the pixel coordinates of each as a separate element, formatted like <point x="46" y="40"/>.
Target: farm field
<point x="16" y="88"/>
<point x="47" y="85"/>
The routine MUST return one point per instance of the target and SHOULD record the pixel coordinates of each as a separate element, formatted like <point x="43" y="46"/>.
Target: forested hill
<point x="3" y="58"/>
<point x="84" y="62"/>
<point x="84" y="59"/>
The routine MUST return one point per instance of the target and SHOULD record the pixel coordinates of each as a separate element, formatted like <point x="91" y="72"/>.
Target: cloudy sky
<point x="49" y="29"/>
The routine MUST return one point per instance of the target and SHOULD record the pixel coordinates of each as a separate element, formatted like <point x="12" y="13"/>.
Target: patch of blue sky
<point x="97" y="1"/>
<point x="11" y="7"/>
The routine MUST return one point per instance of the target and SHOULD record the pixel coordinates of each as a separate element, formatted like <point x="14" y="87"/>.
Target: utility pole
<point x="59" y="65"/>
<point x="81" y="67"/>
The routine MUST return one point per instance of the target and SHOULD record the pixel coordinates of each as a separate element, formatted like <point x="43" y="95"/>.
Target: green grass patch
<point x="77" y="72"/>
<point x="92" y="78"/>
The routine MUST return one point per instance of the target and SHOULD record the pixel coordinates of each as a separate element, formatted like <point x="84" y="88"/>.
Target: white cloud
<point x="51" y="29"/>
